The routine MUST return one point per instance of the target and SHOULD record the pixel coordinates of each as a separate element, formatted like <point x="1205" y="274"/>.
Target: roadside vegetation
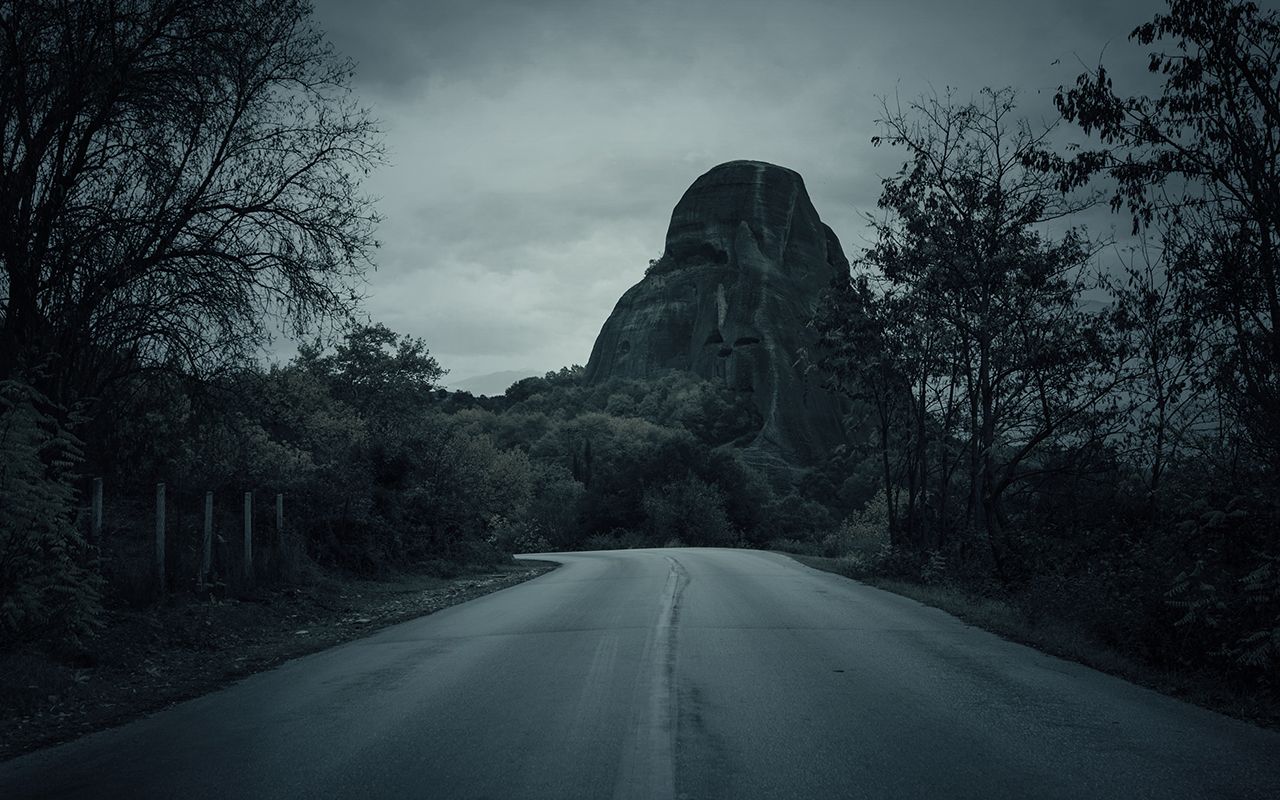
<point x="1085" y="435"/>
<point x="1047" y="433"/>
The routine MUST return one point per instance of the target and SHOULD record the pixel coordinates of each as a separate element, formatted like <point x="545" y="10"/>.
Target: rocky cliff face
<point x="746" y="259"/>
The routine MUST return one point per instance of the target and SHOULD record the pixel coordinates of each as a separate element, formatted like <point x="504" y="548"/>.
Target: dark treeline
<point x="1090" y="433"/>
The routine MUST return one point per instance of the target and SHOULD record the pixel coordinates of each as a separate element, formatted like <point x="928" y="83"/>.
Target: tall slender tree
<point x="989" y="338"/>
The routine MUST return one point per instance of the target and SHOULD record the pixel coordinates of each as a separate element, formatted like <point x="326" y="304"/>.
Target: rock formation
<point x="746" y="259"/>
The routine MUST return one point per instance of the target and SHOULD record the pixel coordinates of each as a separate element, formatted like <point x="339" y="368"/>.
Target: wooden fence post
<point x="160" y="536"/>
<point x="95" y="518"/>
<point x="248" y="535"/>
<point x="206" y="544"/>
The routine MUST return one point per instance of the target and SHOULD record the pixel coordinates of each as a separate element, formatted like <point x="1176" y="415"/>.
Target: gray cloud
<point x="538" y="148"/>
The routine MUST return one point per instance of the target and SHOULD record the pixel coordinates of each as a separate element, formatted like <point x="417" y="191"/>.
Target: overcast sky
<point x="537" y="147"/>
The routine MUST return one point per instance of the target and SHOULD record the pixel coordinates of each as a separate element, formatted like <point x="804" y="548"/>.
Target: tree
<point x="173" y="175"/>
<point x="1163" y="367"/>
<point x="859" y="333"/>
<point x="1201" y="163"/>
<point x="986" y="343"/>
<point x="688" y="510"/>
<point x="380" y="373"/>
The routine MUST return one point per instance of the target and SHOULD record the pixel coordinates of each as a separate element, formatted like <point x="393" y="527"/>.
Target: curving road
<point x="671" y="673"/>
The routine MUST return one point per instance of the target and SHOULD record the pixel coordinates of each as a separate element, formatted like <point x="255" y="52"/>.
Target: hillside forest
<point x="1089" y="432"/>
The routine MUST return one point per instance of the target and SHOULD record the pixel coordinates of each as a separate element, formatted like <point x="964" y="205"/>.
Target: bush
<point x="855" y="566"/>
<point x="798" y="518"/>
<point x="516" y="536"/>
<point x="864" y="533"/>
<point x="1228" y="596"/>
<point x="46" y="587"/>
<point x="617" y="539"/>
<point x="796" y="546"/>
<point x="934" y="569"/>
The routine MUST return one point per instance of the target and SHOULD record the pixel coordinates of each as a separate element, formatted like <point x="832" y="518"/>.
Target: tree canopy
<point x="176" y="175"/>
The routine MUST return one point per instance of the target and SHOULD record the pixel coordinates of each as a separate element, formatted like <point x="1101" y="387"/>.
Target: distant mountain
<point x="746" y="259"/>
<point x="493" y="383"/>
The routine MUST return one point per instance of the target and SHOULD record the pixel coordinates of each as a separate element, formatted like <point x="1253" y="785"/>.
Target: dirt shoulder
<point x="1069" y="641"/>
<point x="145" y="660"/>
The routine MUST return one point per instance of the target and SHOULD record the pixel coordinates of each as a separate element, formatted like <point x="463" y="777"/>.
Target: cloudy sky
<point x="537" y="147"/>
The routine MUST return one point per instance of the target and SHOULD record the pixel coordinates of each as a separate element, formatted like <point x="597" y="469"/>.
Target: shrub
<point x="934" y="569"/>
<point x="46" y="587"/>
<point x="617" y="539"/>
<point x="516" y="536"/>
<point x="795" y="517"/>
<point x="796" y="546"/>
<point x="864" y="532"/>
<point x="854" y="566"/>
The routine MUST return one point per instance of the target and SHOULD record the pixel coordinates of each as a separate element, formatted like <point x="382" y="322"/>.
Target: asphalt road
<point x="671" y="673"/>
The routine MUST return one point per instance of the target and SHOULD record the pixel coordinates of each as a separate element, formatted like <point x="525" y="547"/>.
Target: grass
<point x="1070" y="641"/>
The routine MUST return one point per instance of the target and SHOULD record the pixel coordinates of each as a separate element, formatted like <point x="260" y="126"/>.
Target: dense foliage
<point x="44" y="583"/>
<point x="382" y="470"/>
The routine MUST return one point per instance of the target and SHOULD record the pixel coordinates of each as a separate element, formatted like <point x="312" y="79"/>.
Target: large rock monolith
<point x="745" y="263"/>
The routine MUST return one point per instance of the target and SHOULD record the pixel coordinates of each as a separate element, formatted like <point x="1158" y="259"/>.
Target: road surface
<point x="671" y="673"/>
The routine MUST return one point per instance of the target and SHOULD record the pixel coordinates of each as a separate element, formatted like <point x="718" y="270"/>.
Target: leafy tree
<point x="628" y="455"/>
<point x="793" y="517"/>
<point x="1201" y="163"/>
<point x="1162" y="363"/>
<point x="860" y="332"/>
<point x="978" y="327"/>
<point x="379" y="373"/>
<point x="553" y="505"/>
<point x="688" y="510"/>
<point x="1198" y="166"/>
<point x="564" y="378"/>
<point x="746" y="495"/>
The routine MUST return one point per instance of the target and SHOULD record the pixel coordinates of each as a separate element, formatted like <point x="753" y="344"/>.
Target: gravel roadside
<point x="145" y="660"/>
